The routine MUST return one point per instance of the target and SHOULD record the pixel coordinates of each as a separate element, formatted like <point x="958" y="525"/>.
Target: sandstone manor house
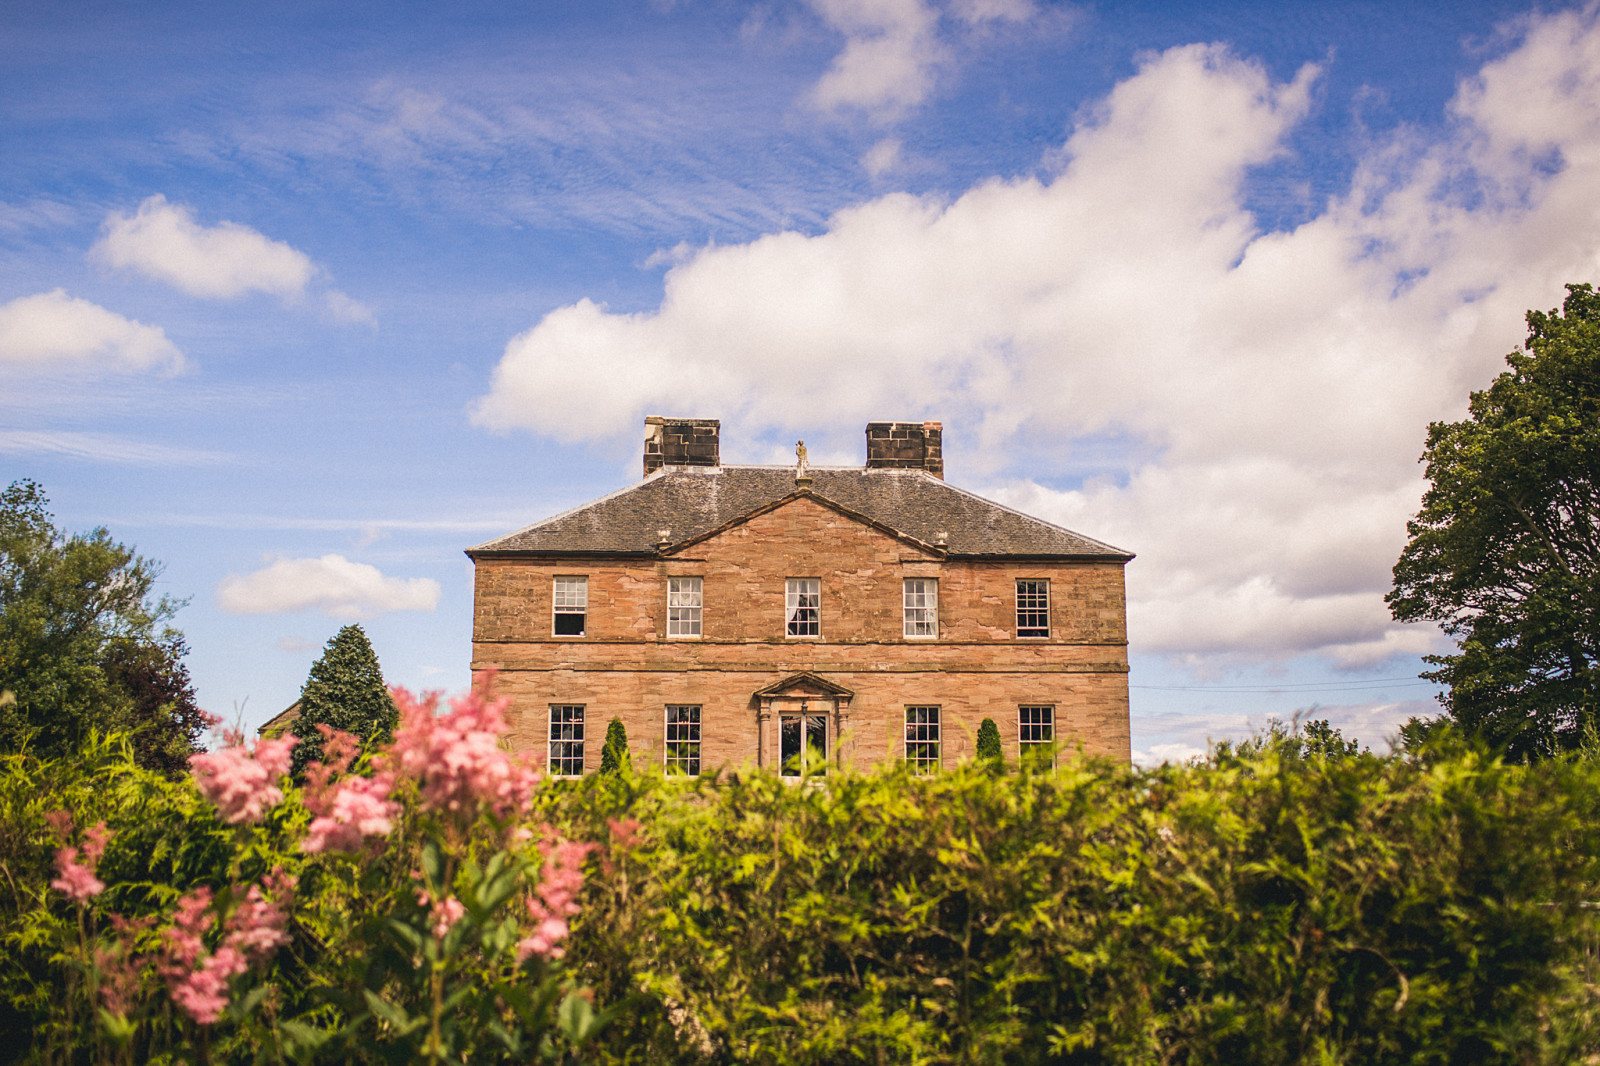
<point x="802" y="617"/>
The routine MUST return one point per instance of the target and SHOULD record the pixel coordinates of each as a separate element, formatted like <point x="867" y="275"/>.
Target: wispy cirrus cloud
<point x="332" y="584"/>
<point x="102" y="447"/>
<point x="55" y="330"/>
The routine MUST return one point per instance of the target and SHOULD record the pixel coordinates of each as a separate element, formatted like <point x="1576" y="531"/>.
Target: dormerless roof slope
<point x="690" y="502"/>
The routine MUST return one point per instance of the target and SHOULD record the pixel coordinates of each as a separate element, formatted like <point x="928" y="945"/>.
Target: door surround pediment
<point x="804" y="685"/>
<point x="803" y="693"/>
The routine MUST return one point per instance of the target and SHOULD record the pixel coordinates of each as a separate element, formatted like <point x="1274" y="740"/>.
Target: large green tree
<point x="1505" y="553"/>
<point x="344" y="690"/>
<point x="84" y="643"/>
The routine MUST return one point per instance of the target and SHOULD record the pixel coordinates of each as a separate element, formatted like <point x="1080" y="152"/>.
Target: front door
<point x="803" y="744"/>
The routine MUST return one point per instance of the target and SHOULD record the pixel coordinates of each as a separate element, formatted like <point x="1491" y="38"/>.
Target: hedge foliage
<point x="1283" y="901"/>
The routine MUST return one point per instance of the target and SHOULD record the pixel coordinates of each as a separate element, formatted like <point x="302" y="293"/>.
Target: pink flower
<point x="445" y="914"/>
<point x="556" y="898"/>
<point x="623" y="830"/>
<point x="255" y="928"/>
<point x="456" y="758"/>
<point x="203" y="993"/>
<point x="198" y="981"/>
<point x="60" y="823"/>
<point x="94" y="841"/>
<point x="241" y="782"/>
<point x="339" y="750"/>
<point x="119" y="964"/>
<point x="77" y="879"/>
<point x="358" y="808"/>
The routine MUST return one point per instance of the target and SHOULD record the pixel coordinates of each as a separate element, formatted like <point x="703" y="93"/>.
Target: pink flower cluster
<point x="117" y="959"/>
<point x="358" y="808"/>
<point x="198" y="980"/>
<point x="444" y="913"/>
<point x="456" y="758"/>
<point x="77" y="879"/>
<point x="556" y="898"/>
<point x="243" y="782"/>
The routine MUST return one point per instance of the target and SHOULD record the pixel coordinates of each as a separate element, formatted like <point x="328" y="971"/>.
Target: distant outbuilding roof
<point x="690" y="502"/>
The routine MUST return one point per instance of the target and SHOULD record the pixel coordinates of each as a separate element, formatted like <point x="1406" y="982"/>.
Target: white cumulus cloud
<point x="54" y="329"/>
<point x="1268" y="391"/>
<point x="893" y="50"/>
<point x="339" y="588"/>
<point x="163" y="241"/>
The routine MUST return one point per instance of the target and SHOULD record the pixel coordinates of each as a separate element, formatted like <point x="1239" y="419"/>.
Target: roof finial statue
<point x="802" y="467"/>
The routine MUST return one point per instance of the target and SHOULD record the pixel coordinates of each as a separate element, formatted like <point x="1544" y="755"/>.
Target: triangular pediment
<point x="805" y="685"/>
<point x="816" y="498"/>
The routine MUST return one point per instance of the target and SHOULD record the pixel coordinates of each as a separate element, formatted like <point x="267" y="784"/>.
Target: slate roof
<point x="691" y="502"/>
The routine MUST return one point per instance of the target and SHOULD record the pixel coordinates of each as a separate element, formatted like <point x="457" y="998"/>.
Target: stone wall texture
<point x="625" y="665"/>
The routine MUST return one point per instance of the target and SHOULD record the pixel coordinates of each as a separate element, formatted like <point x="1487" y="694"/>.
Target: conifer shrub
<point x="344" y="691"/>
<point x="614" y="753"/>
<point x="989" y="744"/>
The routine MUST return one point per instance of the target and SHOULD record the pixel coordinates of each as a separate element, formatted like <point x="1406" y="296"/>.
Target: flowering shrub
<point x="399" y="906"/>
<point x="243" y="782"/>
<point x="1281" y="902"/>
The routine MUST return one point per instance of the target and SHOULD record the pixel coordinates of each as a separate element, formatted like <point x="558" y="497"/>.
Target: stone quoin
<point x="802" y="618"/>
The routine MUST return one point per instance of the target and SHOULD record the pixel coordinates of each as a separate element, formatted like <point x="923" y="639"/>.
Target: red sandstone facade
<point x="919" y="631"/>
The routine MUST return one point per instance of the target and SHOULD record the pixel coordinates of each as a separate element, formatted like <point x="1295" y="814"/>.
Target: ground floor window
<point x="566" y="739"/>
<point x="683" y="739"/>
<point x="1036" y="732"/>
<point x="803" y="744"/>
<point x="922" y="739"/>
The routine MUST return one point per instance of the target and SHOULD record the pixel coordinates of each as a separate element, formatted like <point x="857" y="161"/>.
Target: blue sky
<point x="304" y="299"/>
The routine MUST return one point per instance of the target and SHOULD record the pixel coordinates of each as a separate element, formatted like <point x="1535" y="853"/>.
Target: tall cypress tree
<point x="614" y="755"/>
<point x="344" y="690"/>
<point x="989" y="744"/>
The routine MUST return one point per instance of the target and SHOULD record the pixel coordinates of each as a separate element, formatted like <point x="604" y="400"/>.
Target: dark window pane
<point x="789" y="749"/>
<point x="816" y="745"/>
<point x="570" y="624"/>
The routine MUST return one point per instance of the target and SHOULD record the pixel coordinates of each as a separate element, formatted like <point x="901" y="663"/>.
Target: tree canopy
<point x="84" y="644"/>
<point x="344" y="690"/>
<point x="1505" y="553"/>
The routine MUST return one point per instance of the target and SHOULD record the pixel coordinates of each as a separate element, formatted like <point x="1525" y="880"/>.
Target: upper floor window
<point x="571" y="605"/>
<point x="1033" y="608"/>
<point x="683" y="738"/>
<point x="922" y="739"/>
<point x="802" y="607"/>
<point x="921" y="607"/>
<point x="684" y="598"/>
<point x="1036" y="733"/>
<point x="566" y="739"/>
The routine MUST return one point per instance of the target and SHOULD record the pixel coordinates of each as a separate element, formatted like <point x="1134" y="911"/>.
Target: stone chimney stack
<point x="906" y="445"/>
<point x="680" y="442"/>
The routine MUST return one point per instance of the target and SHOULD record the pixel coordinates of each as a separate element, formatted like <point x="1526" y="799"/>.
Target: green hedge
<point x="1281" y="902"/>
<point x="1277" y="903"/>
